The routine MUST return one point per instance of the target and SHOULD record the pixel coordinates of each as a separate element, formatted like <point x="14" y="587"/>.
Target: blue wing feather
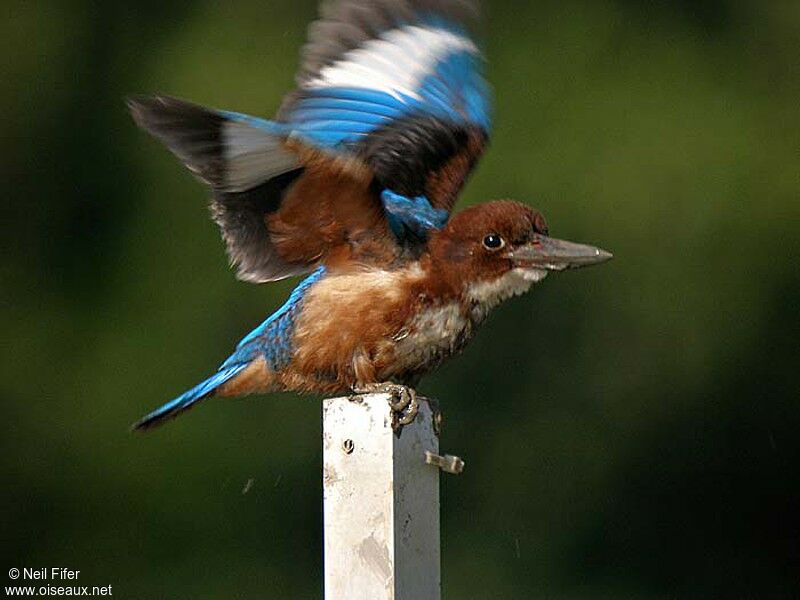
<point x="189" y="398"/>
<point x="396" y="85"/>
<point x="270" y="127"/>
<point x="450" y="87"/>
<point x="271" y="340"/>
<point x="412" y="215"/>
<point x="307" y="109"/>
<point x="346" y="114"/>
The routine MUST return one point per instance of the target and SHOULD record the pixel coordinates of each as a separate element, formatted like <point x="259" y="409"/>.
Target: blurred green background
<point x="630" y="431"/>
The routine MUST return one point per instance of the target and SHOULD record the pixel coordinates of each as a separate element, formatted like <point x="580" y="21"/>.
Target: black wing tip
<point x="147" y="109"/>
<point x="152" y="421"/>
<point x="190" y="131"/>
<point x="340" y="10"/>
<point x="140" y="106"/>
<point x="142" y="426"/>
<point x="156" y="419"/>
<point x="143" y="103"/>
<point x="145" y="424"/>
<point x="156" y="100"/>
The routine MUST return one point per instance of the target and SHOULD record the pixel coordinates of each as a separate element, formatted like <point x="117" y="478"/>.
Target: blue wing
<point x="273" y="338"/>
<point x="369" y="63"/>
<point x="412" y="216"/>
<point x="390" y="97"/>
<point x="345" y="105"/>
<point x="399" y="85"/>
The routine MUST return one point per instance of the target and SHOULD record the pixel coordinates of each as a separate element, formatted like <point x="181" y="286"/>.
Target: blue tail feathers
<point x="270" y="341"/>
<point x="188" y="399"/>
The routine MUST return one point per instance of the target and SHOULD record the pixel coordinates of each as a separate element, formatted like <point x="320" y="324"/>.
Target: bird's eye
<point x="493" y="242"/>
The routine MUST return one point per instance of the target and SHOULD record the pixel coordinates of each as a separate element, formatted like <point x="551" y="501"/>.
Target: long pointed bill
<point x="556" y="255"/>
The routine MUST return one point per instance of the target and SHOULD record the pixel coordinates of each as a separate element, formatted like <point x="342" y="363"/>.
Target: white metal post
<point x="381" y="497"/>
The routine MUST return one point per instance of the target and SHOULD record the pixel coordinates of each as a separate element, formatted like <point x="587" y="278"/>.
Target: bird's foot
<point x="403" y="401"/>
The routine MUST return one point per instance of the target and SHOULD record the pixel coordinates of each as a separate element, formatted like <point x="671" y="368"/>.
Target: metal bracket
<point x="447" y="463"/>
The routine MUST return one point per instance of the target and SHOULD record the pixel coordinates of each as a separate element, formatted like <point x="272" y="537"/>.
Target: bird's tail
<point x="188" y="399"/>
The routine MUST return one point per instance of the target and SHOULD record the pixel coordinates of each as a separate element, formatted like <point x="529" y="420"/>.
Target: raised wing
<point x="366" y="156"/>
<point x="398" y="84"/>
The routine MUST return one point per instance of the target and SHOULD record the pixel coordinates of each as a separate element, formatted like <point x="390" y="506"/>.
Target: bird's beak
<point x="556" y="255"/>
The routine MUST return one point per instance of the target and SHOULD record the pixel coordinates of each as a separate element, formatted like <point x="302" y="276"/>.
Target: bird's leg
<point x="403" y="402"/>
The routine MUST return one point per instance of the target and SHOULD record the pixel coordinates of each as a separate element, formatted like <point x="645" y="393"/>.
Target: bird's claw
<point x="403" y="401"/>
<point x="407" y="407"/>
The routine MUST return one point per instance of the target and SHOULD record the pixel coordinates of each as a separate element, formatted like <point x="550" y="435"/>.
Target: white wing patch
<point x="252" y="156"/>
<point x="395" y="63"/>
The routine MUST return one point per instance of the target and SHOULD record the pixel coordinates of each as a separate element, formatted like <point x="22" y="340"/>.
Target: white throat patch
<point x="488" y="294"/>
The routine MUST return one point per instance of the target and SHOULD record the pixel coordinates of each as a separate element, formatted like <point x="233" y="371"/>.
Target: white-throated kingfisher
<point x="352" y="185"/>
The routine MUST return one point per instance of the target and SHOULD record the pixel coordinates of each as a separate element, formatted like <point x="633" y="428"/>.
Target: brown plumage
<point x="354" y="182"/>
<point x="373" y="321"/>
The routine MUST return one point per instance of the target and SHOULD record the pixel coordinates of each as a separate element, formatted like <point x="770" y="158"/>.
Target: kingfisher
<point x="352" y="185"/>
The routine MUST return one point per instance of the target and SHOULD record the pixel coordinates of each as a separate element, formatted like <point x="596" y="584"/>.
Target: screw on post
<point x="348" y="446"/>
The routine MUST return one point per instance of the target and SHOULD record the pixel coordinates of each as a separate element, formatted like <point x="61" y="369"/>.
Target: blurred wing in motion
<point x="367" y="155"/>
<point x="398" y="84"/>
<point x="244" y="161"/>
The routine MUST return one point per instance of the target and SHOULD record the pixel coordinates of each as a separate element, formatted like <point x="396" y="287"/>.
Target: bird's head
<point x="499" y="249"/>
